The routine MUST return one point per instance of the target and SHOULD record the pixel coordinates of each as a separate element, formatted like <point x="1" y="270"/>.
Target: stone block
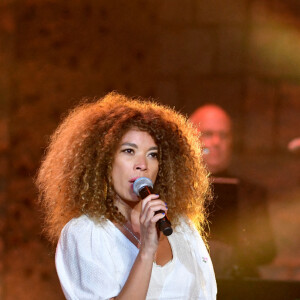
<point x="260" y="114"/>
<point x="3" y="171"/>
<point x="4" y="134"/>
<point x="31" y="272"/>
<point x="167" y="92"/>
<point x="274" y="12"/>
<point x="231" y="49"/>
<point x="186" y="51"/>
<point x="262" y="13"/>
<point x="222" y="91"/>
<point x="7" y="20"/>
<point x="274" y="52"/>
<point x="289" y="114"/>
<point x="176" y="12"/>
<point x="221" y="11"/>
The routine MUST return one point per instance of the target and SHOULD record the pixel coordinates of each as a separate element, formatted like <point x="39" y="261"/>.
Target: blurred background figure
<point x="294" y="145"/>
<point x="216" y="135"/>
<point x="240" y="233"/>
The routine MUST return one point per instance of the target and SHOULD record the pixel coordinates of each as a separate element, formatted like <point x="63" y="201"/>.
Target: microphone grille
<point x="140" y="183"/>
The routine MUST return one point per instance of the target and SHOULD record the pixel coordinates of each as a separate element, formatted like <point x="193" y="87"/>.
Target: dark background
<point x="241" y="54"/>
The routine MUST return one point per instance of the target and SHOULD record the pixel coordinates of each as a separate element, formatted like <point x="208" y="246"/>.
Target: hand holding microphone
<point x="143" y="187"/>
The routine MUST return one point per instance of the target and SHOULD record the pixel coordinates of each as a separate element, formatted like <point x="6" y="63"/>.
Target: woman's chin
<point x="130" y="200"/>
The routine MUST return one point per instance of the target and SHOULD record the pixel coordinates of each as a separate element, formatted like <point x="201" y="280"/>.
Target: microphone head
<point x="141" y="183"/>
<point x="205" y="151"/>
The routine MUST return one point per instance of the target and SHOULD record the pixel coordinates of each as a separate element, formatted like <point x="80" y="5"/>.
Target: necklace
<point x="135" y="237"/>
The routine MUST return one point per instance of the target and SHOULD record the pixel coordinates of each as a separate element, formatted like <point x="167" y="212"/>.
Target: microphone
<point x="205" y="151"/>
<point x="143" y="187"/>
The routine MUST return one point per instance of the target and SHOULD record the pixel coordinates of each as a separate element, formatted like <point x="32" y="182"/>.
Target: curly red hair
<point x="74" y="177"/>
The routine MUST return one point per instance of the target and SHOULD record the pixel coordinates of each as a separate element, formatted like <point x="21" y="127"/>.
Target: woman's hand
<point x="149" y="236"/>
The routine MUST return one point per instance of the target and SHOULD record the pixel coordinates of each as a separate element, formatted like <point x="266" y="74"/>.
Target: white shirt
<point x="93" y="261"/>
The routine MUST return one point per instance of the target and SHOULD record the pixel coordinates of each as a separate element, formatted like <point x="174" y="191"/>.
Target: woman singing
<point x="108" y="245"/>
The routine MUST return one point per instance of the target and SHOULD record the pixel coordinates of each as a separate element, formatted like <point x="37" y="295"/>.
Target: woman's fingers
<point x="150" y="208"/>
<point x="156" y="217"/>
<point x="154" y="210"/>
<point x="148" y="199"/>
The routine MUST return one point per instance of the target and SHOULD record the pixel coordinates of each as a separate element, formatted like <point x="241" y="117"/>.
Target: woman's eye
<point x="153" y="154"/>
<point x="130" y="151"/>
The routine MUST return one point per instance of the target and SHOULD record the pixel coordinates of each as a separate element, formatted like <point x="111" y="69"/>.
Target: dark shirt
<point x="241" y="237"/>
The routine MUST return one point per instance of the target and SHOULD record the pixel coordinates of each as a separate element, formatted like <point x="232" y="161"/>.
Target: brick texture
<point x="231" y="50"/>
<point x="186" y="51"/>
<point x="273" y="51"/>
<point x="260" y="116"/>
<point x="289" y="120"/>
<point x="224" y="12"/>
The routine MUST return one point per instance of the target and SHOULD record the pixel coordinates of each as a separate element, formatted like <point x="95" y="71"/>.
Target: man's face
<point x="216" y="136"/>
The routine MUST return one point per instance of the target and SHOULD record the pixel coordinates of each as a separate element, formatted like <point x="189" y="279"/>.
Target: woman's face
<point x="136" y="156"/>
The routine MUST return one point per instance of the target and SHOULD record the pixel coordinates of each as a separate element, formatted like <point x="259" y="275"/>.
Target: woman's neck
<point x="130" y="210"/>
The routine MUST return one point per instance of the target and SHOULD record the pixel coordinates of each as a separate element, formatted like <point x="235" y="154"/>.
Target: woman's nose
<point x="141" y="164"/>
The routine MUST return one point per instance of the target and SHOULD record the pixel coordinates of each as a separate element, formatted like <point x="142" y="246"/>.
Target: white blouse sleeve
<point x="202" y="256"/>
<point x="83" y="262"/>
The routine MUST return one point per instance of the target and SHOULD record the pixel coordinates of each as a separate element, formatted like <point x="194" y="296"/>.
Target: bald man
<point x="216" y="134"/>
<point x="240" y="234"/>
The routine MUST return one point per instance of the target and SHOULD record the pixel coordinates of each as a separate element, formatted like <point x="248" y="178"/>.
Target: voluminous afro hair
<point x="75" y="175"/>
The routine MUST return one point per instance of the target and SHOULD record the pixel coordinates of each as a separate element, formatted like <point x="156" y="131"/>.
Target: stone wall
<point x="241" y="54"/>
<point x="7" y="26"/>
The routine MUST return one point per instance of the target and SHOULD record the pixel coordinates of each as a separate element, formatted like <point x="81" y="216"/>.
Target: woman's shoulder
<point x="83" y="229"/>
<point x="85" y="221"/>
<point x="82" y="220"/>
<point x="185" y="225"/>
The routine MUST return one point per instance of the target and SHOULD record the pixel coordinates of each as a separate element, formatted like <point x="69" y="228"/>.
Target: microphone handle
<point x="164" y="224"/>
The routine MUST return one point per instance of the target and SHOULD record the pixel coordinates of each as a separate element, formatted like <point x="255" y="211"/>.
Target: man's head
<point x="216" y="135"/>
